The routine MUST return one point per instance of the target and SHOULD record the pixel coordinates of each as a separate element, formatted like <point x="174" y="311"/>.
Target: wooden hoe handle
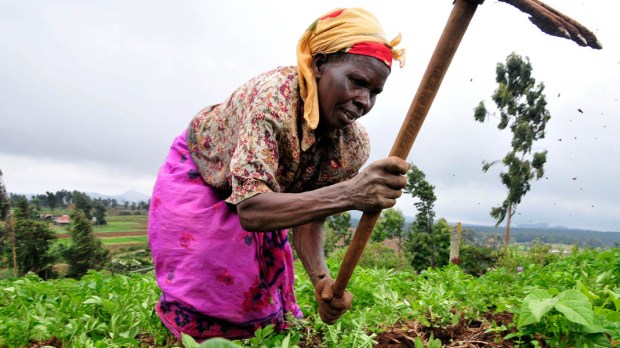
<point x="455" y="28"/>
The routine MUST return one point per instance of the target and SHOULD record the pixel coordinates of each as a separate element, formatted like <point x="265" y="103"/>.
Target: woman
<point x="283" y="151"/>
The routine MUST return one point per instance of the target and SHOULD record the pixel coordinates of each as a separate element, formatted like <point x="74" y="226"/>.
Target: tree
<point x="5" y="204"/>
<point x="390" y="225"/>
<point x="33" y="241"/>
<point x="337" y="229"/>
<point x="51" y="200"/>
<point x="6" y="230"/>
<point x="86" y="251"/>
<point x="22" y="210"/>
<point x="430" y="249"/>
<point x="522" y="107"/>
<point x="63" y="198"/>
<point x="100" y="214"/>
<point x="428" y="244"/>
<point x="83" y="203"/>
<point x="419" y="188"/>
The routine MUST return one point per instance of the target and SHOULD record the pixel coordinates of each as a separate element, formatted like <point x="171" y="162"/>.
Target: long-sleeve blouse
<point x="256" y="141"/>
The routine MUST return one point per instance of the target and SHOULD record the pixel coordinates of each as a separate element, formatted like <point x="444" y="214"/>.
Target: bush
<point x="538" y="254"/>
<point x="476" y="260"/>
<point x="376" y="255"/>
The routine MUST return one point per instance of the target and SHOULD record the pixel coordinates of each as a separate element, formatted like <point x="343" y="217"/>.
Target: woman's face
<point x="347" y="87"/>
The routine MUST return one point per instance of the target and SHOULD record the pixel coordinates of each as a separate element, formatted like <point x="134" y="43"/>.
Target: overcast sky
<point x="93" y="92"/>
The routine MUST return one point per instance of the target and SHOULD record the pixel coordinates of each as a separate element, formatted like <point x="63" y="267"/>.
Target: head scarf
<point x="352" y="30"/>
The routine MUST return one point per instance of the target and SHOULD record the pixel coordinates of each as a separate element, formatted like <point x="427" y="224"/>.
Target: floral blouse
<point x="256" y="142"/>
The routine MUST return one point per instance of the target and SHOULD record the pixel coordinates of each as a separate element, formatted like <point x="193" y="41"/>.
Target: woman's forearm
<point x="373" y="189"/>
<point x="273" y="211"/>
<point x="308" y="243"/>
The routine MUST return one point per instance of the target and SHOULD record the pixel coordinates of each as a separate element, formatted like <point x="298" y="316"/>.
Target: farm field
<point x="571" y="301"/>
<point x="120" y="230"/>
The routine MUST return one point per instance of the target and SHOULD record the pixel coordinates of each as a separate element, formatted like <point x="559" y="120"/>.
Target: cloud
<point x="93" y="93"/>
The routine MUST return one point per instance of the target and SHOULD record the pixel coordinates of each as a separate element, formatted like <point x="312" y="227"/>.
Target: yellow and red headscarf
<point x="351" y="30"/>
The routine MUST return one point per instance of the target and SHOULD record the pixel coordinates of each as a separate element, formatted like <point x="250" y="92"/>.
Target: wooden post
<point x="455" y="243"/>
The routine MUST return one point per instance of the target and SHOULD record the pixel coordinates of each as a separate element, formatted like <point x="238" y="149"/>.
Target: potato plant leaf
<point x="595" y="340"/>
<point x="576" y="307"/>
<point x="536" y="304"/>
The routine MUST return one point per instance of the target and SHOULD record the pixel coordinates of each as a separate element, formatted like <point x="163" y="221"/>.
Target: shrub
<point x="476" y="260"/>
<point x="376" y="255"/>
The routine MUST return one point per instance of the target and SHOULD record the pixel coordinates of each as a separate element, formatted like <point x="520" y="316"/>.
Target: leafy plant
<point x="564" y="320"/>
<point x="572" y="296"/>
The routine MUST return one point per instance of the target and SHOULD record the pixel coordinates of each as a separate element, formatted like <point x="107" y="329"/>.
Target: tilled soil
<point x="466" y="334"/>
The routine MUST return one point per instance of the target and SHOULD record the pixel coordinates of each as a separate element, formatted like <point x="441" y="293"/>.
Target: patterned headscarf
<point x="351" y="30"/>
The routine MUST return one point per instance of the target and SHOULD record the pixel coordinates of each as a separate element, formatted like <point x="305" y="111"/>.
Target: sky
<point x="92" y="93"/>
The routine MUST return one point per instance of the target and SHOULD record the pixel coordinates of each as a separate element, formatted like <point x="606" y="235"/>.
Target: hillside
<point x="546" y="233"/>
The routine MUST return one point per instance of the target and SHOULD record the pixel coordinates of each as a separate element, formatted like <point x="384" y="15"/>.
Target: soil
<point x="466" y="334"/>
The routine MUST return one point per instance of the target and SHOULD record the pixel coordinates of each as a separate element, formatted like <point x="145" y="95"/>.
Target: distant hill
<point x="553" y="235"/>
<point x="129" y="196"/>
<point x="525" y="233"/>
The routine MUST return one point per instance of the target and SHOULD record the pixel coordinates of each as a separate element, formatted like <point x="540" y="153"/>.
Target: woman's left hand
<point x="331" y="308"/>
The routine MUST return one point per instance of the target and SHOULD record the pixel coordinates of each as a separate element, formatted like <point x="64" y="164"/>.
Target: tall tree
<point x="428" y="244"/>
<point x="522" y="106"/>
<point x="86" y="250"/>
<point x="419" y="188"/>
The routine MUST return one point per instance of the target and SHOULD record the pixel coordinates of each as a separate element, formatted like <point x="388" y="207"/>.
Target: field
<point x="120" y="231"/>
<point x="571" y="301"/>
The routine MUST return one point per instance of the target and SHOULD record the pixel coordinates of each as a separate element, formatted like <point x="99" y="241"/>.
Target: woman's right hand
<point x="377" y="186"/>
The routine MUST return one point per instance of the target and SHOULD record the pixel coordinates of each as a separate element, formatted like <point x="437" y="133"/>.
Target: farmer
<point x="283" y="151"/>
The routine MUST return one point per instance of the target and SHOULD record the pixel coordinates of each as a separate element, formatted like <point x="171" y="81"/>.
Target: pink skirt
<point x="217" y="280"/>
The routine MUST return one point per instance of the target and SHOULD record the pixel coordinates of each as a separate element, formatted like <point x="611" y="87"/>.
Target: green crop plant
<point x="572" y="301"/>
<point x="563" y="320"/>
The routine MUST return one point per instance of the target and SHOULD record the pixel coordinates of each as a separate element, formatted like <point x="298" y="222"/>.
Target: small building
<point x="62" y="220"/>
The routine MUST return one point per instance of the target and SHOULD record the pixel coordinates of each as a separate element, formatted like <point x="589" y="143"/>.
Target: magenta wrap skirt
<point x="217" y="280"/>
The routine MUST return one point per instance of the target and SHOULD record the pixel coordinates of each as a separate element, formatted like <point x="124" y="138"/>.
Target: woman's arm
<point x="373" y="189"/>
<point x="308" y="243"/>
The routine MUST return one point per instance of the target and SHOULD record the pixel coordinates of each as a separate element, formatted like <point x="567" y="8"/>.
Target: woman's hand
<point x="378" y="185"/>
<point x="330" y="307"/>
<point x="373" y="189"/>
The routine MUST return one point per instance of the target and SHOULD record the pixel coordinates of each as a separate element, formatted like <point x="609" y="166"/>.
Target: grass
<point x="120" y="224"/>
<point x="115" y="224"/>
<point x="115" y="228"/>
<point x="124" y="240"/>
